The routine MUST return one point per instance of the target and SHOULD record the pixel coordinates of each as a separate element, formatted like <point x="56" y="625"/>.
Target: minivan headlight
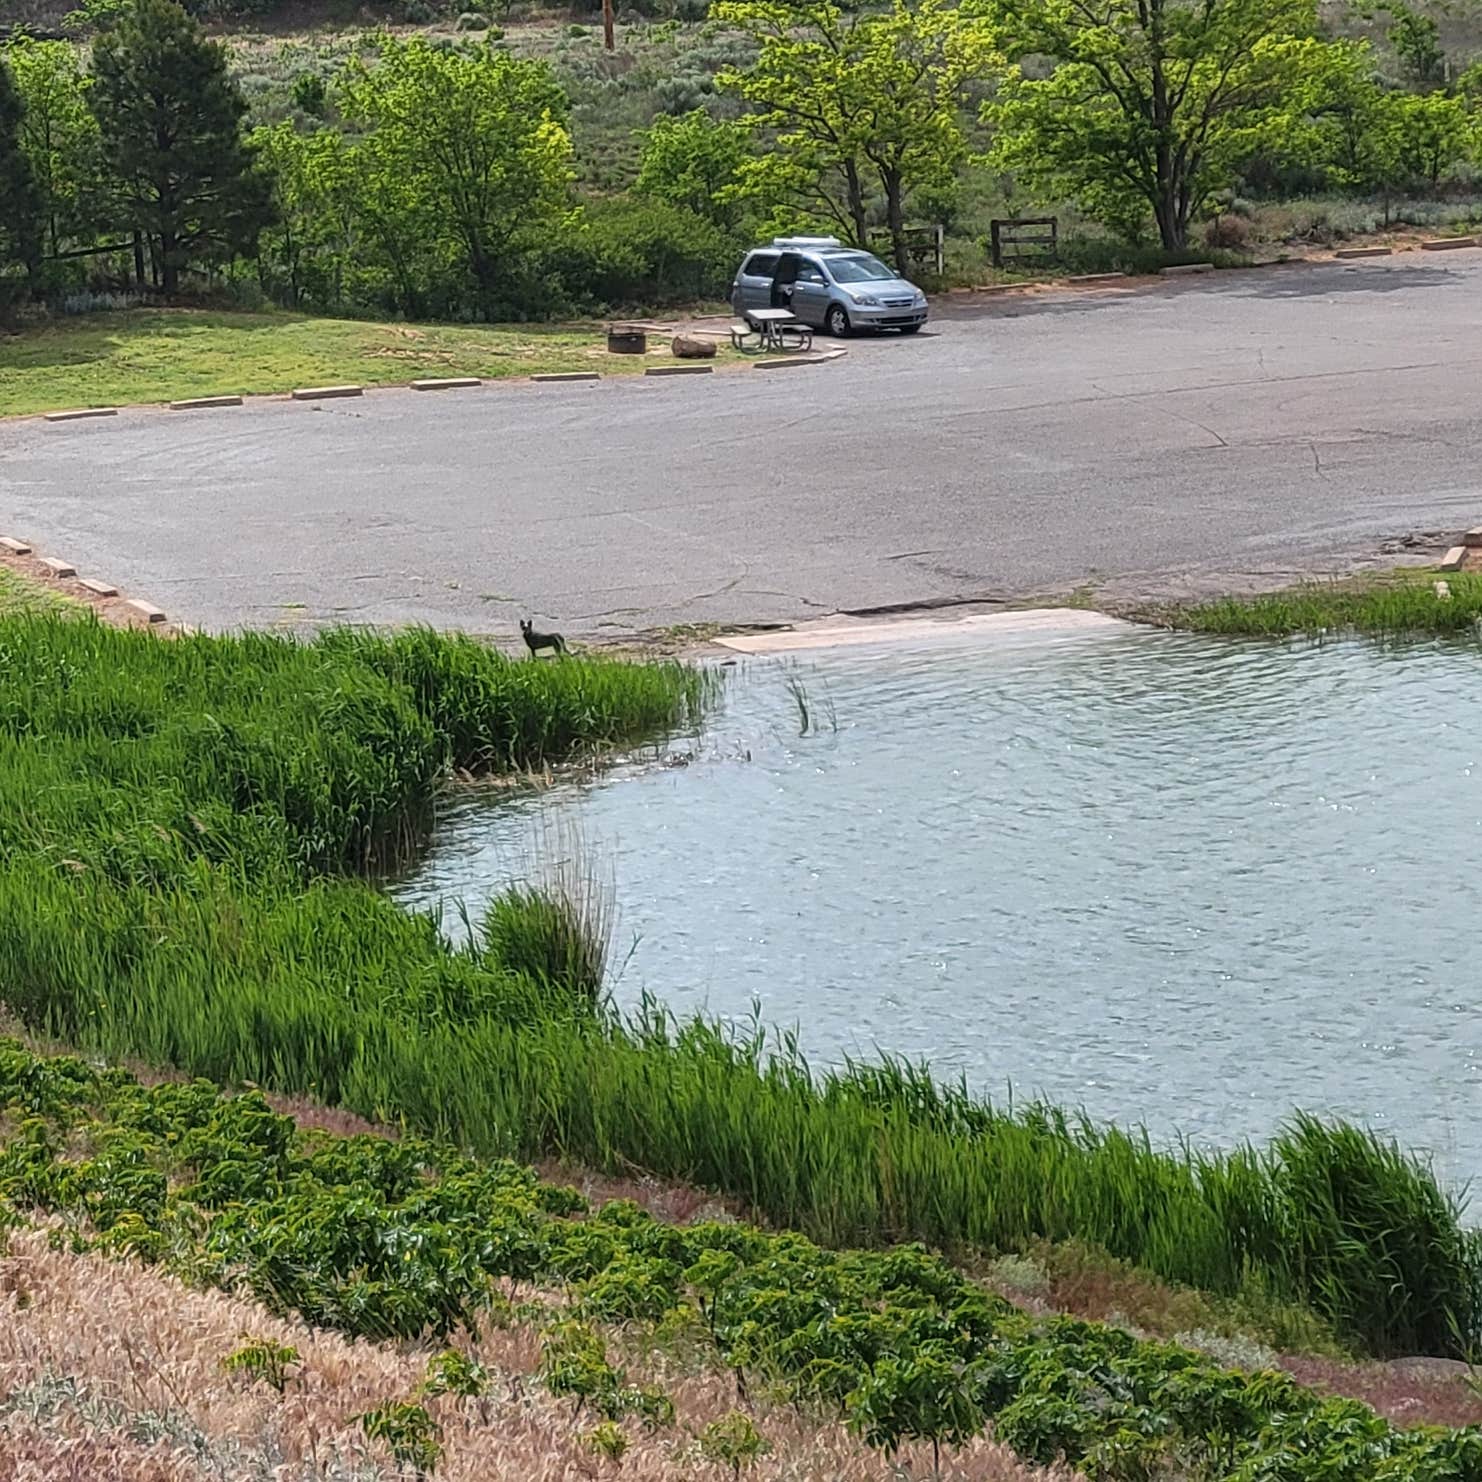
<point x="864" y="298"/>
<point x="920" y="298"/>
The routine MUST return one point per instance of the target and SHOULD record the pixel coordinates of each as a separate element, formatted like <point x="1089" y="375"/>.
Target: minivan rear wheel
<point x="836" y="321"/>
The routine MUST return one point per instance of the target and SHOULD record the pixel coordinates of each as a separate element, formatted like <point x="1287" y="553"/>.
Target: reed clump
<point x="546" y="938"/>
<point x="186" y="831"/>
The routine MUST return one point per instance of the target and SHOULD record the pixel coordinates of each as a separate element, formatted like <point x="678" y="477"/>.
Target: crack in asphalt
<point x="719" y="591"/>
<point x="789" y="596"/>
<point x="1193" y="422"/>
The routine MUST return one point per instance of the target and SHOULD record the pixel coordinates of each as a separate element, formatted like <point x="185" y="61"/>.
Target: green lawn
<point x="18" y="594"/>
<point x="150" y="355"/>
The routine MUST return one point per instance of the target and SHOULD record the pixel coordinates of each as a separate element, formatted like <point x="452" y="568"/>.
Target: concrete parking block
<point x="326" y="393"/>
<point x="81" y="414"/>
<point x="790" y="360"/>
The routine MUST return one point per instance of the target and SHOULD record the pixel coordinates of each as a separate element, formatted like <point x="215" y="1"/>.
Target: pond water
<point x="1183" y="881"/>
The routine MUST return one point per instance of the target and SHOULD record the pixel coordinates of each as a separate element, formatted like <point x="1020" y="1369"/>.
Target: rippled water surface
<point x="1178" y="880"/>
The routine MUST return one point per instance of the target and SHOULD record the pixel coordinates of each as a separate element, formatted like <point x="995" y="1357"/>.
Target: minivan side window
<point x="760" y="265"/>
<point x="810" y="273"/>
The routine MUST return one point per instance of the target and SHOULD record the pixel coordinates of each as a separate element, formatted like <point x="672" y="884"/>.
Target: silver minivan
<point x="827" y="285"/>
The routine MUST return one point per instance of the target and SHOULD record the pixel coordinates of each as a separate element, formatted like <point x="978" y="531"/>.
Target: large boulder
<point x="692" y="347"/>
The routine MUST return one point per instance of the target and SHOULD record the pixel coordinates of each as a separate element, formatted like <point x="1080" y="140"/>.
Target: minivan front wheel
<point x="836" y="321"/>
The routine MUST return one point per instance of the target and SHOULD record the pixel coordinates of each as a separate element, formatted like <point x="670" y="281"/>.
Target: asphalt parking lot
<point x="1162" y="437"/>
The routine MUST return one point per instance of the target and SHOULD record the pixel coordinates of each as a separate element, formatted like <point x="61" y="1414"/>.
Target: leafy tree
<point x="170" y="117"/>
<point x="865" y="107"/>
<point x="1416" y="40"/>
<point x="20" y="206"/>
<point x="1377" y="140"/>
<point x="95" y="14"/>
<point x="1434" y="132"/>
<point x="1149" y="104"/>
<point x="466" y="153"/>
<point x="59" y="135"/>
<point x="311" y="251"/>
<point x="695" y="161"/>
<point x="1350" y="129"/>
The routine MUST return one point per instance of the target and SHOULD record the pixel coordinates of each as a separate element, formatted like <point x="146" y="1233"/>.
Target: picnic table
<point x="777" y="329"/>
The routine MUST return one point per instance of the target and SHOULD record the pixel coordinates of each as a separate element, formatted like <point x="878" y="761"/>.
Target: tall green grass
<point x="1402" y="605"/>
<point x="185" y="830"/>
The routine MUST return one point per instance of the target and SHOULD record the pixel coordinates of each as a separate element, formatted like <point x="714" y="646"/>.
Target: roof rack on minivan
<point x="805" y="242"/>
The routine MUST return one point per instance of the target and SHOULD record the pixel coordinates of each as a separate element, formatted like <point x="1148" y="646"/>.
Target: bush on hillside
<point x="627" y="251"/>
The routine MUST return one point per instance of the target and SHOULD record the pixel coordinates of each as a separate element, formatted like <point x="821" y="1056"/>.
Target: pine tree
<point x="171" y="122"/>
<point x="20" y="203"/>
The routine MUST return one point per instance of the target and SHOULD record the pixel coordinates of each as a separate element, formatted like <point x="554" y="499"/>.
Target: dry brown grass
<point x="109" y="1370"/>
<point x="1407" y="1392"/>
<point x="665" y="1199"/>
<point x="1089" y="1284"/>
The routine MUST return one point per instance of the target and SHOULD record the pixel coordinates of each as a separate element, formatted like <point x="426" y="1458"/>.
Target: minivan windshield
<point x="859" y="267"/>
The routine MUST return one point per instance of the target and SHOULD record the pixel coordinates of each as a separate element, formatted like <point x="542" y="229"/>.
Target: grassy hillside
<point x="668" y="66"/>
<point x="240" y="1251"/>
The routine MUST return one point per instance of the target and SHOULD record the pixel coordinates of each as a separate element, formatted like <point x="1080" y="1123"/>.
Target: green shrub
<point x="733" y="1441"/>
<point x="311" y="93"/>
<point x="607" y="1439"/>
<point x="384" y="1240"/>
<point x="633" y="252"/>
<point x="410" y="1434"/>
<point x="263" y="1361"/>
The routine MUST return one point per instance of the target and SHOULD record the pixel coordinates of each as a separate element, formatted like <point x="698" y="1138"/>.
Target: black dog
<point x="536" y="642"/>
